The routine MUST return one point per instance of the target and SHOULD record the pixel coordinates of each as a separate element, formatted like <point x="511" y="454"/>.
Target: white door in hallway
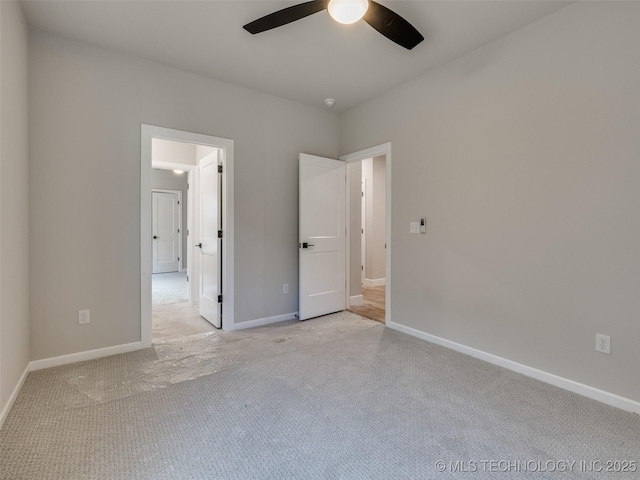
<point x="166" y="232"/>
<point x="210" y="245"/>
<point x="322" y="236"/>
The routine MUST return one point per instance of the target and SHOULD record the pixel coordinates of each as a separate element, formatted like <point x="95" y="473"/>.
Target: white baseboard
<point x="259" y="322"/>
<point x="374" y="282"/>
<point x="356" y="301"/>
<point x="82" y="356"/>
<point x="14" y="394"/>
<point x="555" y="380"/>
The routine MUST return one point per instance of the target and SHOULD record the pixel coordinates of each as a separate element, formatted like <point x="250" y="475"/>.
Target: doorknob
<point x="199" y="245"/>
<point x="155" y="237"/>
<point x="305" y="245"/>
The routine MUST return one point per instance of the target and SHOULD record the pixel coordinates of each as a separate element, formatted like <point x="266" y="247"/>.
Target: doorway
<point x="173" y="315"/>
<point x="178" y="153"/>
<point x="369" y="232"/>
<point x="168" y="209"/>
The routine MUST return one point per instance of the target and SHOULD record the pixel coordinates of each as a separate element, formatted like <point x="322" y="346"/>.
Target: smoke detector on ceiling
<point x="329" y="102"/>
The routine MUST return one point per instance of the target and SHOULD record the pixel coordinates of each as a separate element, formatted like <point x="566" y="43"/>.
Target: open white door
<point x="210" y="244"/>
<point x="322" y="236"/>
<point x="166" y="232"/>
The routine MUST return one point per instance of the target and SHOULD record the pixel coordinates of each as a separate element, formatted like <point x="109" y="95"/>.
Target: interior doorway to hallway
<point x="368" y="232"/>
<point x="173" y="314"/>
<point x="175" y="311"/>
<point x="186" y="205"/>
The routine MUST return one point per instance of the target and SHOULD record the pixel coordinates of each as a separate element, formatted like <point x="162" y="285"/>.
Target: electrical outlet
<point x="285" y="288"/>
<point x="603" y="343"/>
<point x="83" y="317"/>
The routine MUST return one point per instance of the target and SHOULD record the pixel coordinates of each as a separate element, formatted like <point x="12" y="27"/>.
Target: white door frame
<point x="147" y="133"/>
<point x="363" y="229"/>
<point x="384" y="149"/>
<point x="192" y="231"/>
<point x="179" y="194"/>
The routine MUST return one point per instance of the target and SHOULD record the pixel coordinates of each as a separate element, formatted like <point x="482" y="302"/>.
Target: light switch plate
<point x="414" y="227"/>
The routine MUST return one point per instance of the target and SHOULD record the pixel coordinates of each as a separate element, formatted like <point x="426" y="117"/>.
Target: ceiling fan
<point x="385" y="21"/>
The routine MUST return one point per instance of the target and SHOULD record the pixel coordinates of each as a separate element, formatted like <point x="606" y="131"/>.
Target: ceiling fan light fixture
<point x="379" y="17"/>
<point x="347" y="11"/>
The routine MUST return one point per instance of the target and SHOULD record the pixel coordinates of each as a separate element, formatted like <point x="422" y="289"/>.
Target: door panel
<point x="166" y="235"/>
<point x="322" y="228"/>
<point x="210" y="220"/>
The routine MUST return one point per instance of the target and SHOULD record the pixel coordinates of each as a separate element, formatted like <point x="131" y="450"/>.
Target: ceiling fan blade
<point x="392" y="25"/>
<point x="286" y="15"/>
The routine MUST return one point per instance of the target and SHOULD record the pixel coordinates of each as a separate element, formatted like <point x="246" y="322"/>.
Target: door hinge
<point x="361" y="267"/>
<point x="187" y="232"/>
<point x="219" y="298"/>
<point x="219" y="168"/>
<point x="178" y="230"/>
<point x="178" y="258"/>
<point x="187" y="185"/>
<point x="178" y="202"/>
<point x="187" y="278"/>
<point x="219" y="233"/>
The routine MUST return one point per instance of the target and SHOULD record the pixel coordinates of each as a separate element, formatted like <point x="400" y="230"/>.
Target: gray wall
<point x="86" y="108"/>
<point x="168" y="180"/>
<point x="14" y="200"/>
<point x="523" y="155"/>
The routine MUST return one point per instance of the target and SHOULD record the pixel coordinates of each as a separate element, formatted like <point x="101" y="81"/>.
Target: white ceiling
<point x="306" y="61"/>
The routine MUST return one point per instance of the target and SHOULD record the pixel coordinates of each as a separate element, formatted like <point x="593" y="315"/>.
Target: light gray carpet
<point x="168" y="288"/>
<point x="338" y="397"/>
